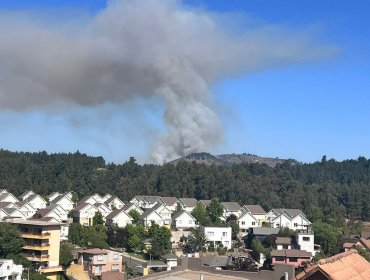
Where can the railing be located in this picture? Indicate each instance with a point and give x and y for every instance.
(51, 268)
(37, 246)
(36, 258)
(35, 235)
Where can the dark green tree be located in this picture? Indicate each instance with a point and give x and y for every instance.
(11, 241)
(65, 255)
(198, 240)
(135, 215)
(98, 218)
(200, 214)
(215, 210)
(161, 241)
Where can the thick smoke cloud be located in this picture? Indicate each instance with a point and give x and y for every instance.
(138, 49)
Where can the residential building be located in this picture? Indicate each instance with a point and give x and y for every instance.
(283, 243)
(96, 261)
(88, 199)
(148, 202)
(170, 202)
(291, 218)
(118, 217)
(132, 206)
(3, 214)
(150, 216)
(8, 197)
(9, 270)
(53, 195)
(293, 257)
(36, 201)
(8, 205)
(187, 204)
(170, 259)
(106, 197)
(217, 236)
(25, 195)
(256, 211)
(164, 212)
(205, 202)
(14, 213)
(64, 200)
(3, 191)
(344, 266)
(53, 211)
(84, 213)
(246, 221)
(260, 233)
(305, 241)
(114, 203)
(183, 220)
(42, 244)
(231, 208)
(103, 209)
(26, 209)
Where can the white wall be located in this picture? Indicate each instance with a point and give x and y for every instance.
(218, 234)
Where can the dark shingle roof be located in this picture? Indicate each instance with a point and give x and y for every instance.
(293, 253)
(205, 202)
(178, 214)
(169, 200)
(255, 209)
(231, 206)
(189, 202)
(283, 240)
(265, 231)
(114, 213)
(290, 212)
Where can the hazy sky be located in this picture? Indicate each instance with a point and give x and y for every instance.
(297, 108)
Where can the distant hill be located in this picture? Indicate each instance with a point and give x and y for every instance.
(229, 159)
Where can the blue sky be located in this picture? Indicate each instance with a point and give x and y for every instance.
(301, 111)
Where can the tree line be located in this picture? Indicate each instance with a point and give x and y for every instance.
(327, 189)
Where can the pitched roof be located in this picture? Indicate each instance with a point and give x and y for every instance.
(231, 206)
(22, 203)
(189, 202)
(5, 195)
(147, 213)
(283, 240)
(9, 211)
(178, 214)
(169, 200)
(5, 204)
(25, 193)
(60, 197)
(33, 196)
(114, 213)
(81, 206)
(255, 209)
(109, 200)
(345, 266)
(85, 198)
(205, 202)
(291, 253)
(43, 212)
(94, 251)
(152, 198)
(128, 206)
(290, 212)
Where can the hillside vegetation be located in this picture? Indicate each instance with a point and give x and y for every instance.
(328, 189)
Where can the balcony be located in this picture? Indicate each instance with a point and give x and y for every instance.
(34, 258)
(32, 235)
(49, 269)
(39, 247)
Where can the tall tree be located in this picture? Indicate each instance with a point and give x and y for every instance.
(215, 210)
(98, 218)
(200, 214)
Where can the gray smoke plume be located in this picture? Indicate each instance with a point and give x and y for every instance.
(139, 48)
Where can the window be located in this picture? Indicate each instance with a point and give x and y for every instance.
(285, 246)
(224, 234)
(99, 268)
(279, 259)
(210, 233)
(295, 225)
(306, 238)
(277, 225)
(115, 256)
(100, 257)
(253, 223)
(226, 243)
(243, 223)
(115, 267)
(293, 259)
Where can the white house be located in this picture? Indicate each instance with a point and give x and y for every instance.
(257, 211)
(84, 213)
(64, 200)
(8, 197)
(218, 235)
(14, 213)
(36, 201)
(3, 191)
(149, 201)
(187, 204)
(283, 243)
(88, 199)
(27, 210)
(25, 195)
(114, 203)
(305, 241)
(103, 209)
(118, 217)
(106, 197)
(3, 214)
(183, 220)
(231, 208)
(164, 212)
(9, 270)
(291, 218)
(132, 206)
(53, 211)
(246, 221)
(97, 197)
(53, 195)
(150, 216)
(8, 205)
(170, 202)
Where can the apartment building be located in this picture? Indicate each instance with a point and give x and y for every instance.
(42, 245)
(96, 261)
(217, 236)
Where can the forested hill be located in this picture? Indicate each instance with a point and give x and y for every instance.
(328, 188)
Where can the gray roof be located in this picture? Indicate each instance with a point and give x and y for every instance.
(231, 206)
(3, 196)
(151, 198)
(127, 206)
(114, 213)
(178, 214)
(169, 256)
(189, 202)
(265, 231)
(109, 200)
(216, 261)
(169, 200)
(9, 211)
(147, 213)
(60, 197)
(255, 209)
(290, 212)
(25, 193)
(5, 204)
(32, 196)
(283, 240)
(294, 253)
(205, 202)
